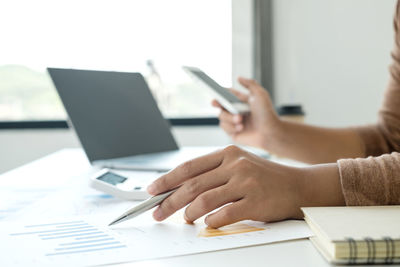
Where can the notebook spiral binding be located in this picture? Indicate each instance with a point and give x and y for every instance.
(352, 250)
(371, 250)
(390, 250)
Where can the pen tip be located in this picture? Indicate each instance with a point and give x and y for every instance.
(120, 219)
(112, 223)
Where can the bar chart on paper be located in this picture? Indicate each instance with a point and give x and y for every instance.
(71, 237)
(83, 241)
(48, 243)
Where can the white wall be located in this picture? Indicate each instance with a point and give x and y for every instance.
(333, 57)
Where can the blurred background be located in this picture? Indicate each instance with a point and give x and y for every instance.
(330, 57)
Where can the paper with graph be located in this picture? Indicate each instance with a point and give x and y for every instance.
(83, 241)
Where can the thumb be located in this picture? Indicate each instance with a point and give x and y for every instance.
(250, 84)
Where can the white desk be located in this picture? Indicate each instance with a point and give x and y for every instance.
(58, 169)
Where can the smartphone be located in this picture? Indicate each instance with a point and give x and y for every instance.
(228, 100)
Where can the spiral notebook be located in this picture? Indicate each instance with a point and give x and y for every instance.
(356, 235)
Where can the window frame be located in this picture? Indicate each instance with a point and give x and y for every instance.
(243, 64)
(63, 124)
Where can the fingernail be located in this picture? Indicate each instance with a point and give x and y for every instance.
(186, 218)
(238, 127)
(151, 189)
(188, 221)
(158, 214)
(206, 219)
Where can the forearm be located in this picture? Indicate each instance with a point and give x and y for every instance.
(313, 144)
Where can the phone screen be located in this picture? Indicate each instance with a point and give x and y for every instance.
(214, 85)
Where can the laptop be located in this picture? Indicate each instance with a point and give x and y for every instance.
(118, 122)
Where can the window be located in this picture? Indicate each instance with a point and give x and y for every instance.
(154, 37)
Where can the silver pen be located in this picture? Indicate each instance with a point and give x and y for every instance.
(143, 207)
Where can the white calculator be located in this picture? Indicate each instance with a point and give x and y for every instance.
(129, 185)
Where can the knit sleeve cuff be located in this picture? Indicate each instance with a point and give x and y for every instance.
(347, 172)
(371, 181)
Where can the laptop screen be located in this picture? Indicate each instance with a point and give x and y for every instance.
(114, 113)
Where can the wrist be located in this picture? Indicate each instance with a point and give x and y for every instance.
(320, 185)
(272, 134)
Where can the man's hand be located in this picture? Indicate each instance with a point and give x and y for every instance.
(259, 126)
(244, 185)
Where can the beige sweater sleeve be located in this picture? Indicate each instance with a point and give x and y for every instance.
(376, 180)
